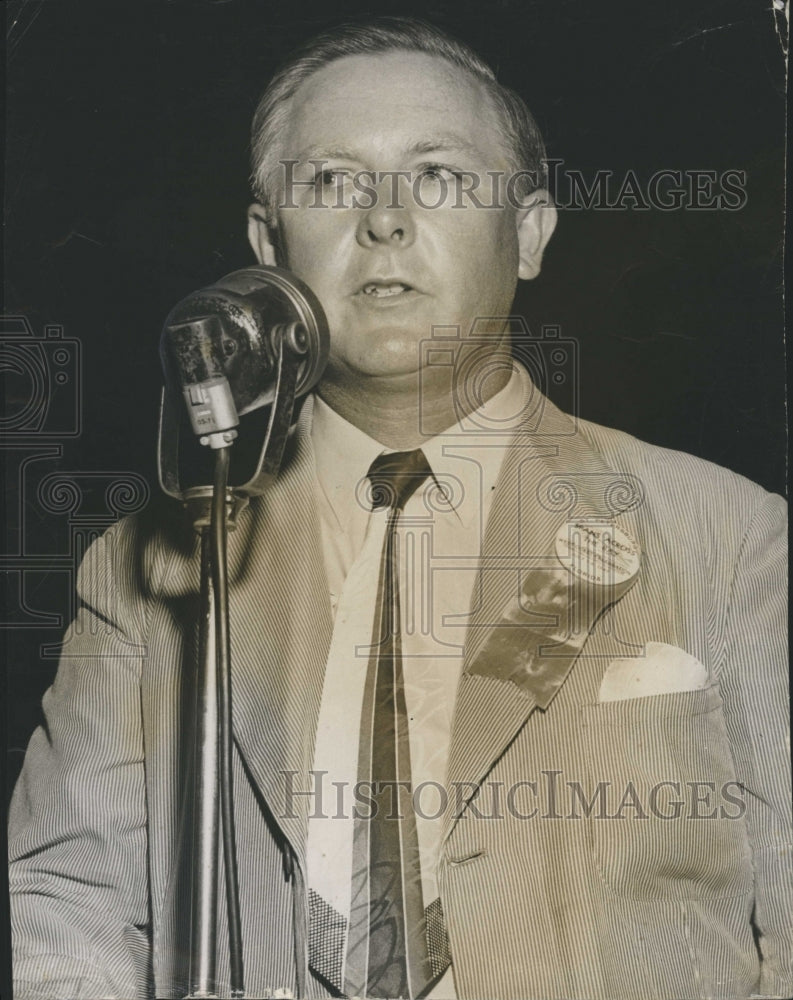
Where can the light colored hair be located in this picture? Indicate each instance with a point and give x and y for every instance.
(523, 142)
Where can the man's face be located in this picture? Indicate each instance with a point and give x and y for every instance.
(384, 274)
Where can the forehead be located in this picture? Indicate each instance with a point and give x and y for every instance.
(386, 103)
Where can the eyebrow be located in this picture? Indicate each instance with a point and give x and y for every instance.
(442, 143)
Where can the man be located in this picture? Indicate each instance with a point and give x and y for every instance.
(564, 749)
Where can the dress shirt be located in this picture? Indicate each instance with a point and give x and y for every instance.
(439, 538)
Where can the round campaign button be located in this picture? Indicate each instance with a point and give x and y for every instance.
(598, 552)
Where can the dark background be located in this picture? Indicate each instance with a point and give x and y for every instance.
(126, 189)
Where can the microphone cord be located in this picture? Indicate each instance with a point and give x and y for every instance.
(219, 533)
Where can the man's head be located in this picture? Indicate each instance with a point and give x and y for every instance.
(375, 127)
(521, 136)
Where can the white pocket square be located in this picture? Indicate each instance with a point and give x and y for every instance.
(664, 669)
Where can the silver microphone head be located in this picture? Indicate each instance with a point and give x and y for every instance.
(255, 340)
(255, 307)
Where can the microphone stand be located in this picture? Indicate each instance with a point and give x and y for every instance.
(206, 777)
(215, 509)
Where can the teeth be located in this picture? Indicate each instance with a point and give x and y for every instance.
(373, 288)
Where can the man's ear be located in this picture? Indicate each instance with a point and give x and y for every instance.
(261, 235)
(536, 223)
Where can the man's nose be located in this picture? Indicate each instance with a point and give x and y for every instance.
(389, 222)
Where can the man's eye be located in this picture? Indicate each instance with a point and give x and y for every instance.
(436, 171)
(331, 178)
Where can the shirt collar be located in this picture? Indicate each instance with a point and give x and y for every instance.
(343, 452)
(469, 454)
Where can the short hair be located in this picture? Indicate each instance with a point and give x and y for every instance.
(523, 141)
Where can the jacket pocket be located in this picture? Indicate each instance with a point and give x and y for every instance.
(664, 811)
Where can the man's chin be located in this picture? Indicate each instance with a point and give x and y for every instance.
(387, 378)
(394, 358)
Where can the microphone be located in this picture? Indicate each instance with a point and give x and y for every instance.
(221, 346)
(257, 337)
(193, 354)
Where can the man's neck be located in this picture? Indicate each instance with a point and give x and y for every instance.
(403, 414)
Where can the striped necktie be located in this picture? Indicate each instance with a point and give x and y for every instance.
(387, 953)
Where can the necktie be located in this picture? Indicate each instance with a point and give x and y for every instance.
(387, 953)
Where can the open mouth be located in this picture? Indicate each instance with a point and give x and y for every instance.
(385, 289)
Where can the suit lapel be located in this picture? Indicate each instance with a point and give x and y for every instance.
(280, 632)
(532, 614)
(281, 622)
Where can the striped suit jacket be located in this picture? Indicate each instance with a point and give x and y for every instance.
(629, 848)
